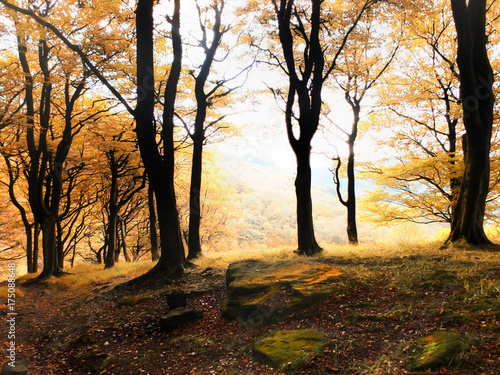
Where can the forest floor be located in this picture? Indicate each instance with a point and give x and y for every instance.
(372, 320)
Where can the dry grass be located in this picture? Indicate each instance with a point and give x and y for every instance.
(83, 275)
(405, 241)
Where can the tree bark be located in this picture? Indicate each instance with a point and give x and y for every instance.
(198, 135)
(160, 170)
(36, 235)
(476, 92)
(155, 255)
(123, 235)
(307, 88)
(305, 229)
(194, 242)
(112, 210)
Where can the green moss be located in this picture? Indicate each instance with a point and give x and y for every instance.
(288, 350)
(439, 350)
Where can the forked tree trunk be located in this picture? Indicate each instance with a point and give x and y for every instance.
(160, 170)
(305, 86)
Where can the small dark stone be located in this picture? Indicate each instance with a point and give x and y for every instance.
(209, 271)
(175, 318)
(176, 299)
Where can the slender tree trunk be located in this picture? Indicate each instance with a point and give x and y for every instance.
(476, 92)
(350, 204)
(110, 257)
(198, 136)
(118, 246)
(352, 230)
(194, 242)
(36, 236)
(112, 242)
(29, 248)
(305, 84)
(155, 255)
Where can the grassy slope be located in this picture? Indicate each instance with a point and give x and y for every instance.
(392, 295)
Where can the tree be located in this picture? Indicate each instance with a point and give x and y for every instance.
(476, 94)
(158, 159)
(53, 93)
(419, 125)
(125, 181)
(209, 94)
(307, 67)
(363, 65)
(160, 169)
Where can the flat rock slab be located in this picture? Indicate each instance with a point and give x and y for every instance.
(260, 293)
(289, 350)
(175, 318)
(441, 349)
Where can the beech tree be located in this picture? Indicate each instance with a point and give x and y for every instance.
(420, 126)
(419, 179)
(478, 100)
(126, 180)
(158, 159)
(205, 123)
(366, 59)
(308, 59)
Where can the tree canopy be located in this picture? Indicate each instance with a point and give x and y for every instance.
(109, 113)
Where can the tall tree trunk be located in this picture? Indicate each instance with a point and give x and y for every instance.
(160, 169)
(198, 136)
(110, 258)
(59, 244)
(305, 84)
(476, 92)
(350, 202)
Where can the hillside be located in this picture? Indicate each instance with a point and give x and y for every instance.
(390, 296)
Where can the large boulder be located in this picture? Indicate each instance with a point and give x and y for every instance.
(261, 292)
(288, 350)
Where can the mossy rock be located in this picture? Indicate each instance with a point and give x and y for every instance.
(261, 292)
(289, 350)
(439, 350)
